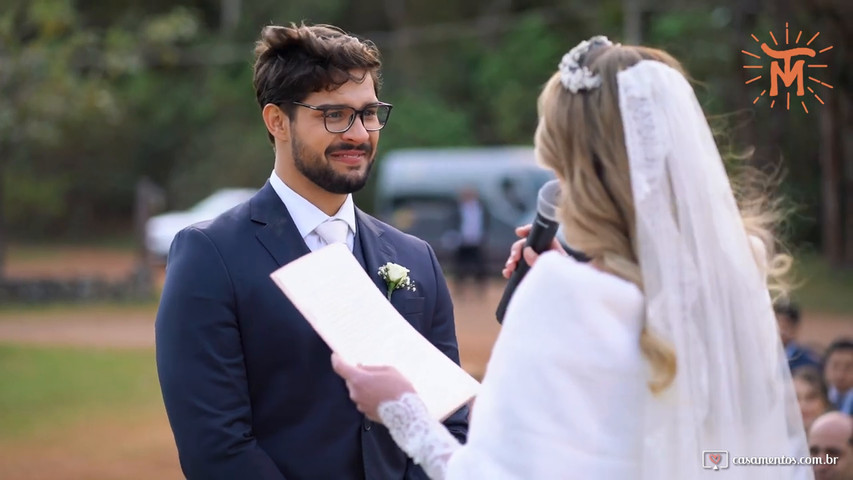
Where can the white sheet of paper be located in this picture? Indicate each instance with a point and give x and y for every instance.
(351, 315)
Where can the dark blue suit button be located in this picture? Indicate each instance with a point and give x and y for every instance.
(367, 425)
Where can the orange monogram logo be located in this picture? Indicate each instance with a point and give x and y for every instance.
(787, 65)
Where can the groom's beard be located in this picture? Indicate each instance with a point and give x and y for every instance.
(319, 170)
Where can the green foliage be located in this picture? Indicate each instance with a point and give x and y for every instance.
(276, 12)
(508, 80)
(95, 95)
(421, 120)
(37, 200)
(44, 388)
(62, 112)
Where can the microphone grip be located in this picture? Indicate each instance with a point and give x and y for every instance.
(539, 239)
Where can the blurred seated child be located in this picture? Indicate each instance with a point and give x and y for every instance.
(811, 394)
(838, 372)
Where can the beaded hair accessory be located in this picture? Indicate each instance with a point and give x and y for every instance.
(573, 76)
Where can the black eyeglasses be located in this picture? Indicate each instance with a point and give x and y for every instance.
(339, 118)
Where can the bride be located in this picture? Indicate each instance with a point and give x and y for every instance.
(659, 359)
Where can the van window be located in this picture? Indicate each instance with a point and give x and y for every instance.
(427, 217)
(418, 190)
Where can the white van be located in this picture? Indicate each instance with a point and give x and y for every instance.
(417, 192)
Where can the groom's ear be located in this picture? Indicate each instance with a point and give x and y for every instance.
(277, 122)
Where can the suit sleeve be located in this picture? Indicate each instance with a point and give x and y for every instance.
(201, 367)
(442, 334)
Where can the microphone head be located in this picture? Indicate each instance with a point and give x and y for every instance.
(549, 195)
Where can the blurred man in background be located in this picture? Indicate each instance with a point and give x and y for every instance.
(838, 371)
(831, 436)
(470, 253)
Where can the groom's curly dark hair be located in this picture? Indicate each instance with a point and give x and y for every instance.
(292, 62)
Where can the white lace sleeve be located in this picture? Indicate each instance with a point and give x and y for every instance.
(422, 437)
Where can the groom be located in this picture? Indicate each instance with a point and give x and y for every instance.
(247, 383)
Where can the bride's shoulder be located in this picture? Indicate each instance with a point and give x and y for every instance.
(563, 273)
(565, 304)
(559, 284)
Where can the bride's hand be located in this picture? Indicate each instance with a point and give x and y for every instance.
(530, 256)
(370, 386)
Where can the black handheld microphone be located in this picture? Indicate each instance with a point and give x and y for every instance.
(543, 231)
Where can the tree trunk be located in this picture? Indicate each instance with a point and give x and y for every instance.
(632, 26)
(489, 20)
(408, 64)
(845, 133)
(745, 14)
(229, 15)
(3, 236)
(831, 178)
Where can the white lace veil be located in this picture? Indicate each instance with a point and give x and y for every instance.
(705, 294)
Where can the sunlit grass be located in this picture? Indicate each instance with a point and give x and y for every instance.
(50, 387)
(822, 288)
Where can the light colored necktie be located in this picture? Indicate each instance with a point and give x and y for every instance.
(333, 230)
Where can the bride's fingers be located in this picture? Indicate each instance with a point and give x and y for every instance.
(375, 368)
(524, 230)
(344, 369)
(515, 252)
(530, 256)
(512, 260)
(507, 271)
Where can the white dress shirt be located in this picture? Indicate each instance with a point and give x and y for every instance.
(471, 228)
(306, 216)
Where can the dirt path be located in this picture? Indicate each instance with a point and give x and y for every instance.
(133, 327)
(69, 262)
(81, 326)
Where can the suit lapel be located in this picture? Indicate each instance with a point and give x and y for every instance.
(377, 251)
(279, 234)
(282, 240)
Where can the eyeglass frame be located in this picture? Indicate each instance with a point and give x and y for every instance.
(358, 113)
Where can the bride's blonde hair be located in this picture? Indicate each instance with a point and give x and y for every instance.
(580, 136)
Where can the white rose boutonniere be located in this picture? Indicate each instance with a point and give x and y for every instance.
(396, 276)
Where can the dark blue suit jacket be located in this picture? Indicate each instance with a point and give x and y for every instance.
(247, 383)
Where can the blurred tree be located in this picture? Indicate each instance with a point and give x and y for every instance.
(507, 78)
(95, 97)
(632, 23)
(230, 16)
(58, 105)
(43, 86)
(834, 19)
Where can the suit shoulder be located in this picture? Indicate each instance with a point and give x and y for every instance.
(395, 235)
(225, 223)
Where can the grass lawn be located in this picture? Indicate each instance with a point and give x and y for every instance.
(821, 288)
(45, 388)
